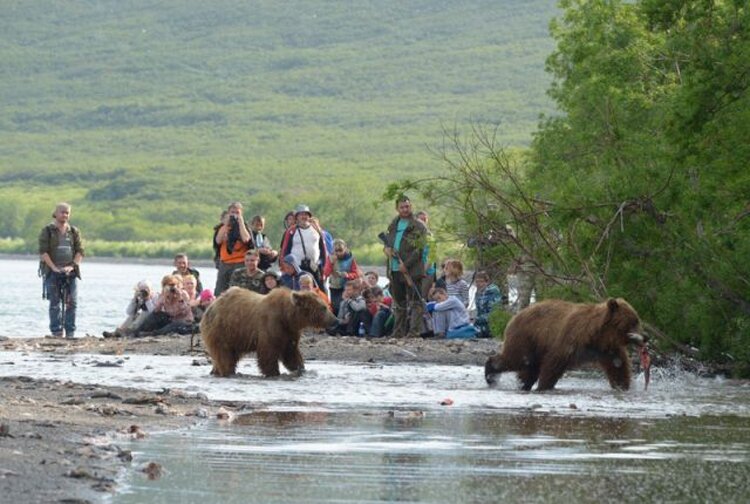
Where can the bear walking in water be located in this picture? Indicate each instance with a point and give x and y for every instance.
(546, 339)
(241, 321)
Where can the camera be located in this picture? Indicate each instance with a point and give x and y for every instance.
(143, 294)
(172, 289)
(306, 265)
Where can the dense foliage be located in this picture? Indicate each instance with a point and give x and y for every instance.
(150, 117)
(640, 188)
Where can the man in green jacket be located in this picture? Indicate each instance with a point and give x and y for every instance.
(61, 252)
(407, 238)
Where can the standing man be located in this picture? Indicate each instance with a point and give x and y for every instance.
(61, 252)
(407, 237)
(234, 240)
(305, 241)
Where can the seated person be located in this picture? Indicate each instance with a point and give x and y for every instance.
(380, 309)
(488, 296)
(140, 305)
(189, 285)
(353, 311)
(250, 277)
(449, 316)
(182, 268)
(290, 272)
(307, 283)
(172, 312)
(205, 298)
(270, 281)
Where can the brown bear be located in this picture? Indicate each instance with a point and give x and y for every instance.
(241, 321)
(545, 339)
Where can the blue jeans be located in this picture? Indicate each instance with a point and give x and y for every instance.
(54, 284)
(465, 331)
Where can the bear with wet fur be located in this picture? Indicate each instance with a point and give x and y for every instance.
(545, 339)
(241, 321)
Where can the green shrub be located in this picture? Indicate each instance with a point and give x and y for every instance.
(499, 318)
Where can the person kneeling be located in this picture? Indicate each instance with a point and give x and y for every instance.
(450, 317)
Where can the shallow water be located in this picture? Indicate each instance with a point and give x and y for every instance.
(371, 433)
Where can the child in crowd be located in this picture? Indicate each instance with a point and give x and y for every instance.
(340, 267)
(488, 296)
(307, 283)
(190, 286)
(455, 285)
(290, 272)
(353, 311)
(205, 298)
(449, 316)
(380, 309)
(270, 281)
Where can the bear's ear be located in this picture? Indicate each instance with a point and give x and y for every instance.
(612, 305)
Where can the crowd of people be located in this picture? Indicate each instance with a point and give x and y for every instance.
(418, 300)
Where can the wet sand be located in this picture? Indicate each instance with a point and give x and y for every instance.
(59, 440)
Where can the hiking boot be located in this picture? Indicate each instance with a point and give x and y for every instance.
(70, 335)
(108, 334)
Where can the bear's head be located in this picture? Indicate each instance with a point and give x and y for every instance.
(311, 310)
(621, 321)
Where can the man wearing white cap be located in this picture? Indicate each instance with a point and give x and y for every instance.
(304, 240)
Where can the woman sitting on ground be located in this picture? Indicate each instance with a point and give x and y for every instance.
(172, 312)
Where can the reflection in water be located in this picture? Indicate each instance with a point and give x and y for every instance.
(448, 456)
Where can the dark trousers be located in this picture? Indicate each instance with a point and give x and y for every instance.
(59, 285)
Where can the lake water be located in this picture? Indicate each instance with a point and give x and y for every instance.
(363, 432)
(103, 294)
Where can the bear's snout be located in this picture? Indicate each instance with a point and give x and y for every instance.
(637, 338)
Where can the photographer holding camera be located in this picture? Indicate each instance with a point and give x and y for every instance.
(234, 240)
(141, 304)
(306, 243)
